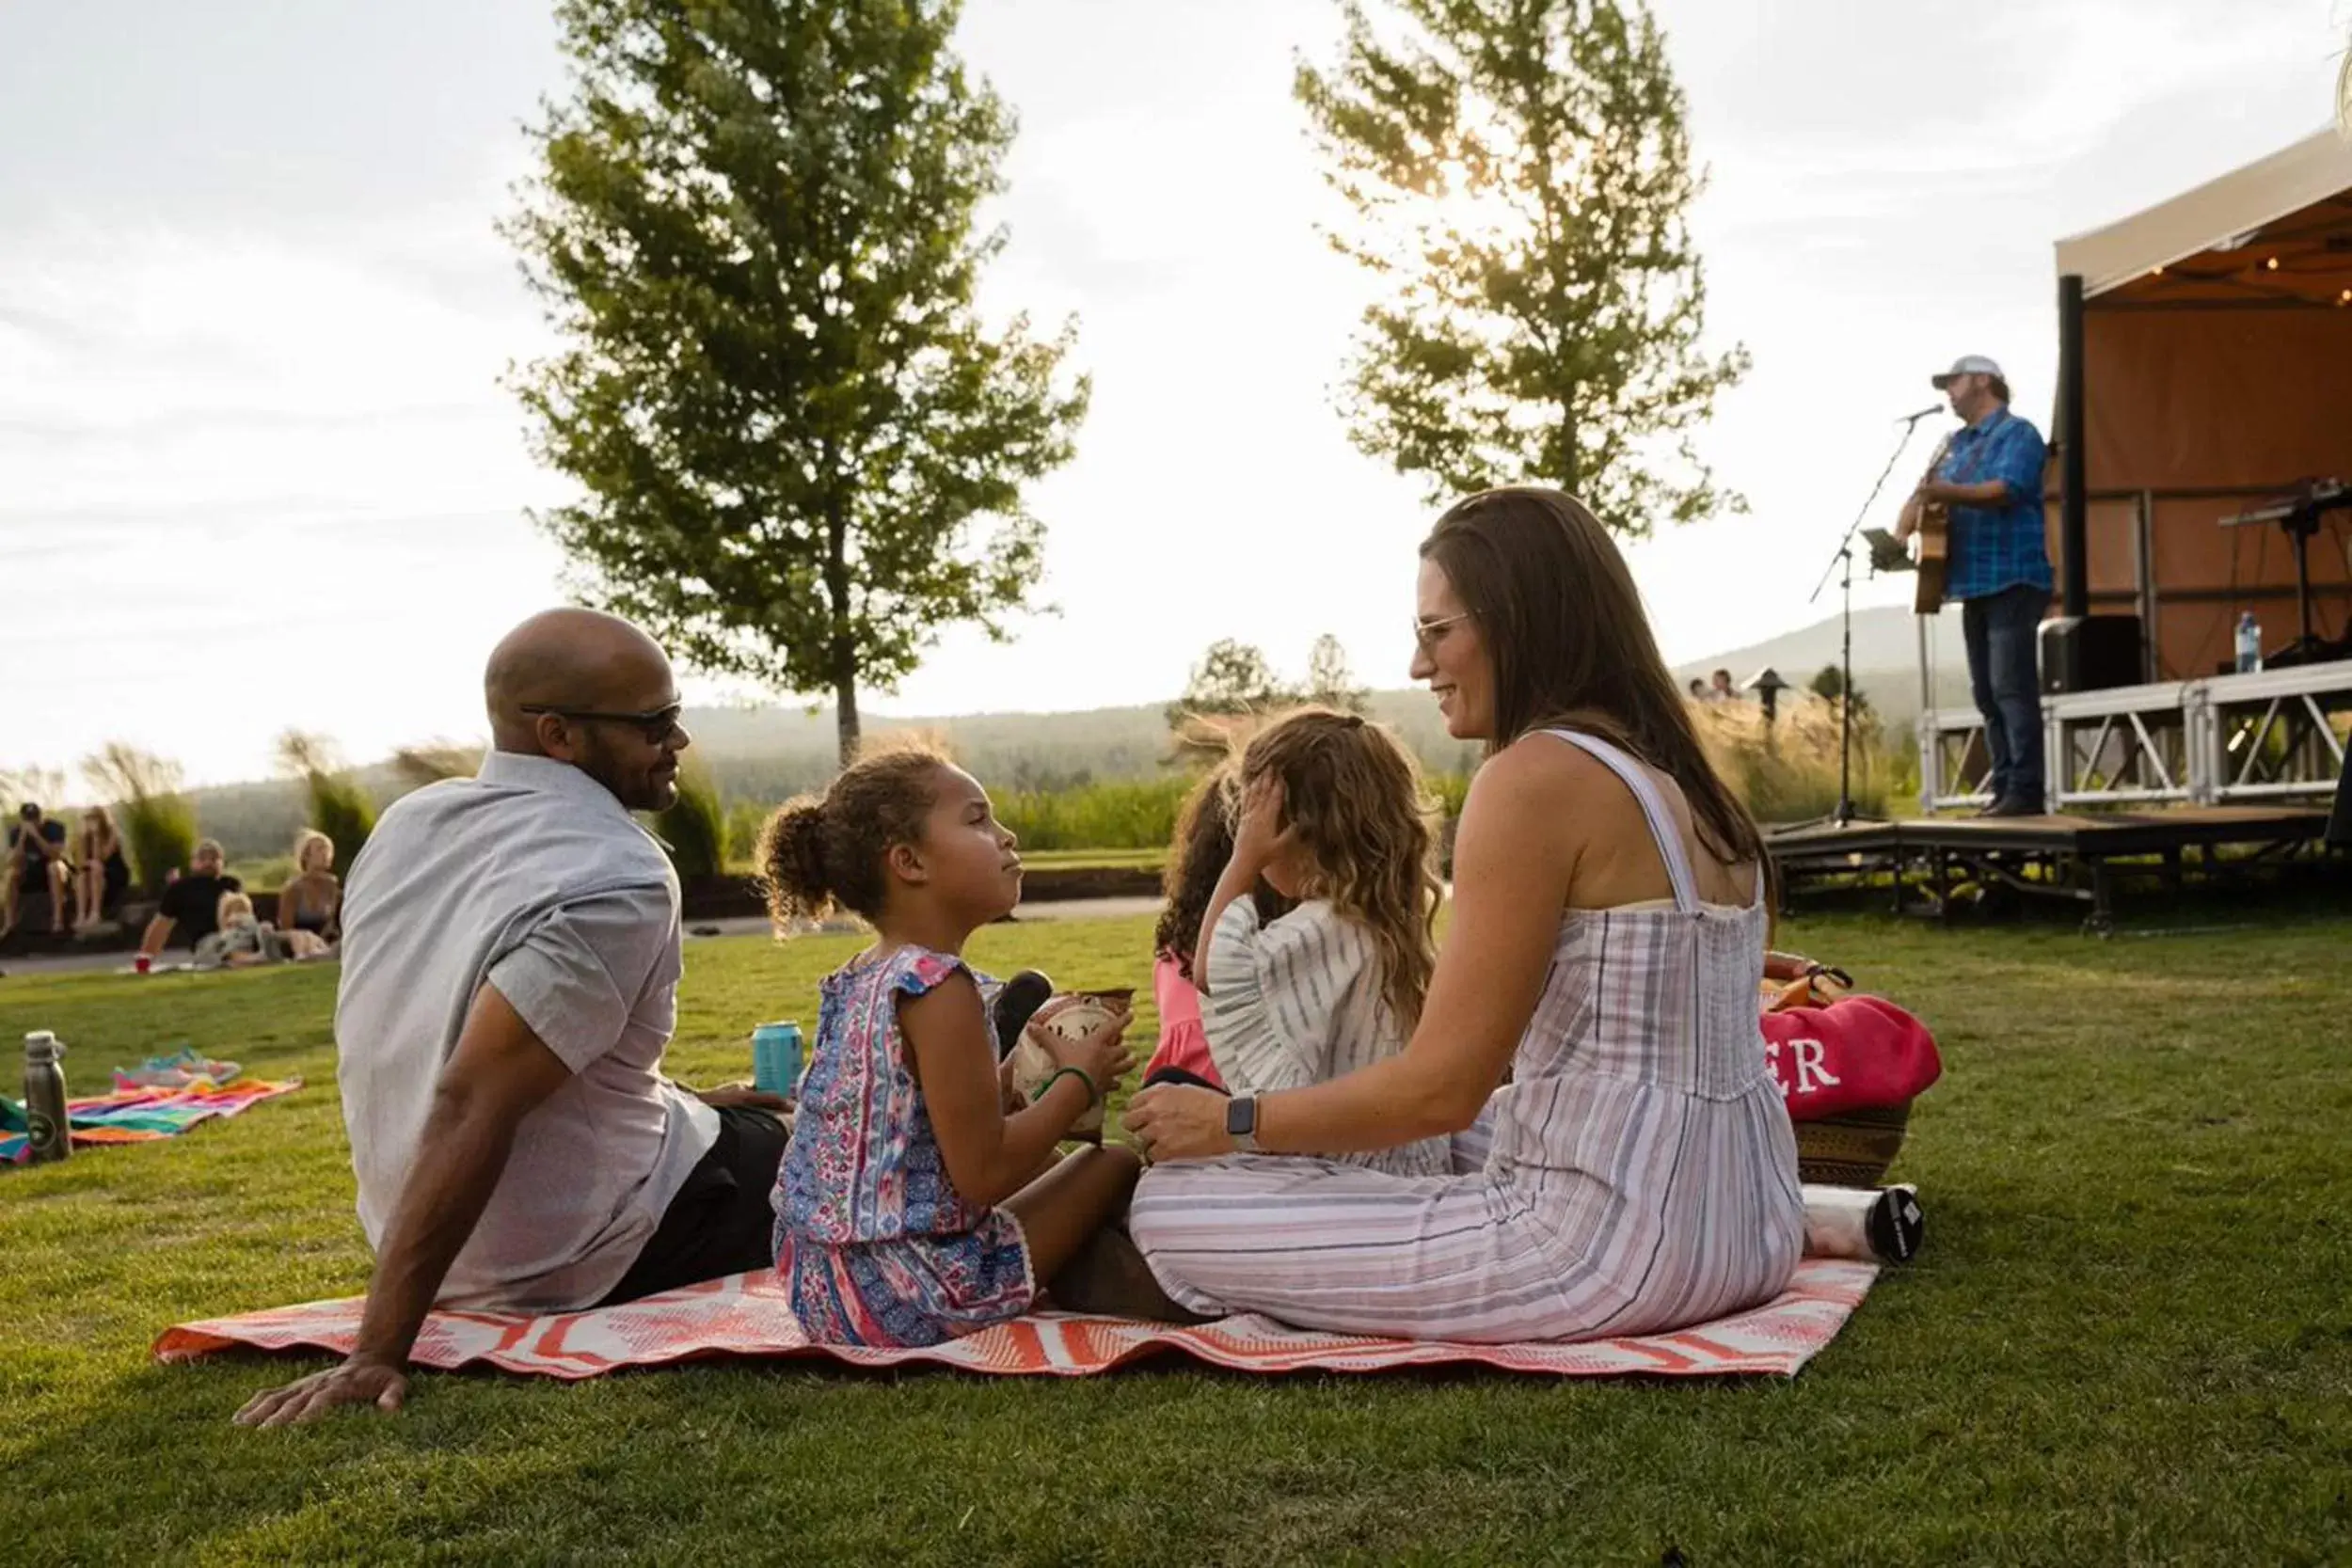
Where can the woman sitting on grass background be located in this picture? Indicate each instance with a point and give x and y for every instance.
(312, 899)
(918, 1201)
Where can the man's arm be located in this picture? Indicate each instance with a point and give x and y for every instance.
(158, 932)
(1983, 492)
(497, 1073)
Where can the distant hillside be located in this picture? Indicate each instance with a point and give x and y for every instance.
(771, 752)
(1885, 660)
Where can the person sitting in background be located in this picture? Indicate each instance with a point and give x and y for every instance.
(190, 908)
(1698, 690)
(242, 939)
(239, 939)
(313, 898)
(102, 873)
(36, 860)
(1721, 689)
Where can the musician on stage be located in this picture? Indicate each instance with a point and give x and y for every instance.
(1999, 569)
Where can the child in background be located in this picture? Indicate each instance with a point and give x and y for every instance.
(1332, 816)
(238, 940)
(1204, 842)
(918, 1201)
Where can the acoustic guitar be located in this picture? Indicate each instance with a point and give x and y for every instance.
(1930, 539)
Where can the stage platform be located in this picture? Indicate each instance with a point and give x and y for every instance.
(2074, 857)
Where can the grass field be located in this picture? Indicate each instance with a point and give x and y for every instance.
(2130, 1339)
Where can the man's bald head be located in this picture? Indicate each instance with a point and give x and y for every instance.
(583, 660)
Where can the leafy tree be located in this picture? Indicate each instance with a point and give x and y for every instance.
(1232, 677)
(1330, 681)
(1519, 170)
(1830, 685)
(801, 451)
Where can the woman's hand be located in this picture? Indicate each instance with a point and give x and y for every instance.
(1178, 1121)
(1100, 1054)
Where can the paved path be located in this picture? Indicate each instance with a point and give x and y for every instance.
(1049, 909)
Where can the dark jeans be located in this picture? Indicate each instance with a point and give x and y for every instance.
(723, 1220)
(2001, 630)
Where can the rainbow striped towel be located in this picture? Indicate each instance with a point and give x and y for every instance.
(141, 1116)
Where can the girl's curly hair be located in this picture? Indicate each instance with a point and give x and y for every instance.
(1353, 795)
(1204, 842)
(819, 851)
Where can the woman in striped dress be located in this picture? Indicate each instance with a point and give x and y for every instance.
(1637, 1173)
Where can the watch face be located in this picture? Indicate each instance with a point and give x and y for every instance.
(1241, 1115)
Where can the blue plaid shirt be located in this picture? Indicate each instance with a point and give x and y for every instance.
(1998, 546)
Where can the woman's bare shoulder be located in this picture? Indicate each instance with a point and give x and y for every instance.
(1542, 772)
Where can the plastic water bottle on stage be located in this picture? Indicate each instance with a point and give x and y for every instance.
(48, 1133)
(2249, 644)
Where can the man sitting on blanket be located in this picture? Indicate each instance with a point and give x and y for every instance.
(509, 984)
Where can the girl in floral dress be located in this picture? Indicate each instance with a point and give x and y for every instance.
(919, 1198)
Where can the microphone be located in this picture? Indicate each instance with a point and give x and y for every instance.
(1913, 419)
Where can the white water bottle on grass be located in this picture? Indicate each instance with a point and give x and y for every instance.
(1881, 1225)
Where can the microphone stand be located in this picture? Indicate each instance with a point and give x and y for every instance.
(1841, 567)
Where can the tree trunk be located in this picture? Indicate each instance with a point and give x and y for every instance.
(844, 646)
(1570, 478)
(845, 717)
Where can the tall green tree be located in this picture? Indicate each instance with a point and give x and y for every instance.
(1520, 171)
(1330, 681)
(803, 451)
(1232, 678)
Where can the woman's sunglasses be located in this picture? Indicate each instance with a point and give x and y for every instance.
(1430, 633)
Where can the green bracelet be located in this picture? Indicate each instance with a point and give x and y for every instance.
(1094, 1096)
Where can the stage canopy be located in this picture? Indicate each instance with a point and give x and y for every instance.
(2213, 343)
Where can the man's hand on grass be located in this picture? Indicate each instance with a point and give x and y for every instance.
(305, 1399)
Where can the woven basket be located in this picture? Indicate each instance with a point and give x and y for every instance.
(1852, 1150)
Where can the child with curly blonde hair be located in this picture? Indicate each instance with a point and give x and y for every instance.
(1332, 814)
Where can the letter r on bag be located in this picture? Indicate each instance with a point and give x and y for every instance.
(1809, 1068)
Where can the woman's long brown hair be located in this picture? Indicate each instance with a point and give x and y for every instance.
(1572, 648)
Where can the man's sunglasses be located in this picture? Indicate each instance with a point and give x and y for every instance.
(656, 726)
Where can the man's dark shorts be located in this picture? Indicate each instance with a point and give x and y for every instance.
(723, 1221)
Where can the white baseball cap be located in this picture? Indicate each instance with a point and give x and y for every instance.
(1967, 364)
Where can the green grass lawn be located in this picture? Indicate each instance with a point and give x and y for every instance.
(1066, 860)
(2130, 1339)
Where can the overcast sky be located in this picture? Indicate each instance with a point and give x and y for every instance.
(256, 469)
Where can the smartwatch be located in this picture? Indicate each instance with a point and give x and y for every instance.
(1241, 1122)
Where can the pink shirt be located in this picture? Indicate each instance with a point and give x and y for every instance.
(1182, 1042)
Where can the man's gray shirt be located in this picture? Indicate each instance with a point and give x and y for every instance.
(533, 879)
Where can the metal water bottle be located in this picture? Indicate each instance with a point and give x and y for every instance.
(49, 1133)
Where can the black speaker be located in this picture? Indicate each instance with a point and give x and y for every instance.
(2090, 653)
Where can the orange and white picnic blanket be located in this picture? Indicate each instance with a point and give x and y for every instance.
(747, 1316)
